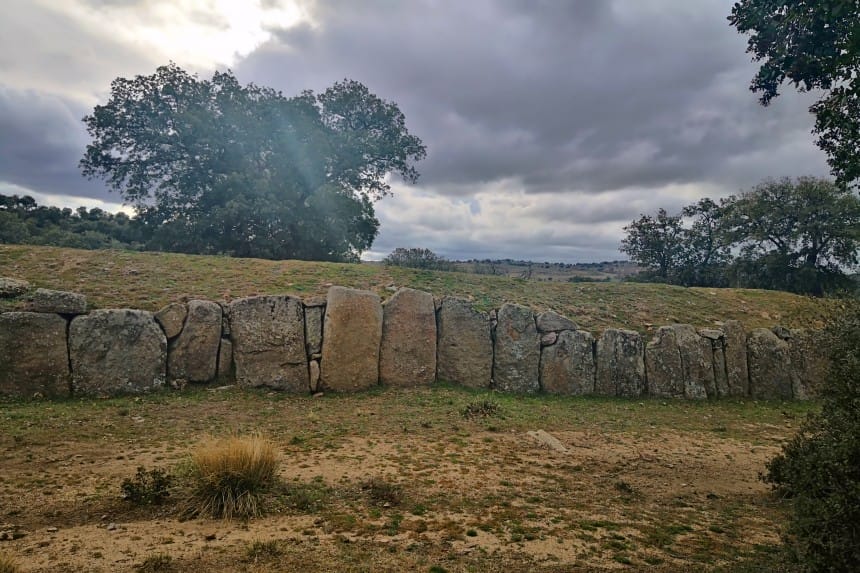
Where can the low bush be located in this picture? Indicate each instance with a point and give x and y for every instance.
(819, 469)
(230, 476)
(158, 563)
(147, 487)
(481, 409)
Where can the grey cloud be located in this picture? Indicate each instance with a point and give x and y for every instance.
(41, 140)
(556, 93)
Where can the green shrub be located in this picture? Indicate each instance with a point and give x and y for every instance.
(147, 487)
(230, 476)
(416, 258)
(819, 469)
(481, 409)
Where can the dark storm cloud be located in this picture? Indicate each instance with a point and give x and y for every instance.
(41, 141)
(589, 95)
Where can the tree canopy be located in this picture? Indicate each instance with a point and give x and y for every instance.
(798, 235)
(815, 45)
(212, 166)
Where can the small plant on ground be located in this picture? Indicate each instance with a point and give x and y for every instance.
(262, 551)
(159, 563)
(8, 564)
(230, 476)
(147, 487)
(819, 469)
(382, 492)
(481, 409)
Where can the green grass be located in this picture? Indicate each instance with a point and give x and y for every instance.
(114, 279)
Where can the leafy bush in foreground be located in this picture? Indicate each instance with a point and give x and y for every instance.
(819, 469)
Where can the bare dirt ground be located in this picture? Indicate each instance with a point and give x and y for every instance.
(400, 480)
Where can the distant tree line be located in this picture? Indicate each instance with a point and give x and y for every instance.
(799, 235)
(418, 258)
(22, 220)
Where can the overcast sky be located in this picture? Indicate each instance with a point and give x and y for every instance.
(549, 124)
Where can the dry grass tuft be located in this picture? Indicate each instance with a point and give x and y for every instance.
(8, 564)
(230, 475)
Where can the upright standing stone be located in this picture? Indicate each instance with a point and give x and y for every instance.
(809, 362)
(735, 350)
(714, 340)
(352, 332)
(664, 365)
(769, 365)
(268, 335)
(465, 344)
(314, 328)
(193, 355)
(567, 366)
(407, 356)
(516, 365)
(620, 364)
(33, 355)
(226, 375)
(551, 321)
(698, 360)
(117, 351)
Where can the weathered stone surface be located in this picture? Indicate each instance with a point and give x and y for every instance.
(735, 351)
(117, 351)
(680, 362)
(172, 318)
(664, 365)
(551, 321)
(769, 365)
(567, 367)
(716, 338)
(314, 328)
(698, 360)
(407, 355)
(352, 332)
(33, 355)
(226, 373)
(782, 332)
(549, 339)
(10, 287)
(620, 364)
(516, 361)
(225, 318)
(809, 362)
(268, 335)
(193, 355)
(465, 345)
(57, 301)
(314, 369)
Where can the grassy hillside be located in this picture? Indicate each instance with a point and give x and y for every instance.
(113, 279)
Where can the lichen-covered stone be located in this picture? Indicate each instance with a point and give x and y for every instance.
(567, 367)
(716, 339)
(551, 321)
(226, 373)
(33, 355)
(268, 335)
(465, 345)
(769, 365)
(516, 365)
(680, 363)
(407, 355)
(10, 287)
(735, 352)
(352, 332)
(57, 301)
(172, 318)
(193, 355)
(810, 362)
(314, 328)
(620, 364)
(117, 351)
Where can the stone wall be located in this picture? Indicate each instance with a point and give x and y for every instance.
(351, 341)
